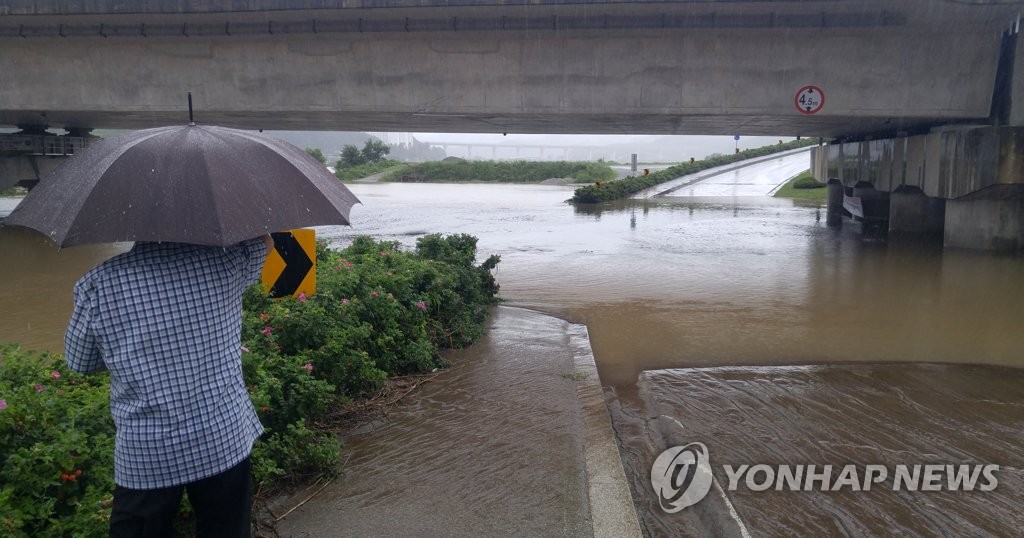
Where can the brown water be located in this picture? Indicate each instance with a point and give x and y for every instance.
(725, 281)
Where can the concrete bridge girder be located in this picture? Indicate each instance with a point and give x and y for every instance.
(965, 182)
(950, 162)
(698, 81)
(26, 170)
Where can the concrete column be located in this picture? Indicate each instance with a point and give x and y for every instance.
(985, 224)
(911, 211)
(834, 209)
(26, 168)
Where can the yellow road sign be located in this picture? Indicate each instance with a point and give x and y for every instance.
(290, 268)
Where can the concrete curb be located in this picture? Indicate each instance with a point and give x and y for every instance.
(611, 506)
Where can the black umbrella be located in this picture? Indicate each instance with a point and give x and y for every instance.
(195, 184)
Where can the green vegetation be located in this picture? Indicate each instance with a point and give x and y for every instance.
(56, 446)
(356, 164)
(613, 190)
(352, 173)
(459, 170)
(378, 312)
(317, 154)
(803, 186)
(373, 151)
(14, 191)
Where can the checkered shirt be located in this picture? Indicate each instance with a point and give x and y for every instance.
(165, 319)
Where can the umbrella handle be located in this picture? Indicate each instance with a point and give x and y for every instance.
(190, 120)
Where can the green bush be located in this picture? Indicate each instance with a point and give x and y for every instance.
(459, 170)
(56, 448)
(378, 312)
(598, 171)
(613, 190)
(807, 182)
(803, 187)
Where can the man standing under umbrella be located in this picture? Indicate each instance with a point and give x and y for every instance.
(165, 320)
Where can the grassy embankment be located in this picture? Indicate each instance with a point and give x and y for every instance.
(613, 190)
(359, 171)
(462, 171)
(803, 186)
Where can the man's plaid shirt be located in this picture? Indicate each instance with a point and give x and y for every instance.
(165, 319)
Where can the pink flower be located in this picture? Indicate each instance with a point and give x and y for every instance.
(55, 374)
(245, 349)
(301, 297)
(383, 253)
(348, 264)
(344, 301)
(309, 367)
(421, 305)
(391, 296)
(374, 294)
(39, 388)
(267, 330)
(3, 405)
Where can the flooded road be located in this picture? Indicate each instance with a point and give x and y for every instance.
(886, 415)
(671, 284)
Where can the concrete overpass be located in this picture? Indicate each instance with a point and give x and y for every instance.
(924, 97)
(557, 66)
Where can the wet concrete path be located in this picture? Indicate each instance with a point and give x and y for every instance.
(514, 441)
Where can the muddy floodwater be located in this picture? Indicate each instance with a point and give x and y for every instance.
(722, 316)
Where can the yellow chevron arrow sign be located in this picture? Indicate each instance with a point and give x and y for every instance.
(290, 268)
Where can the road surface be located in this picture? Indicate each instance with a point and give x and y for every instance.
(756, 179)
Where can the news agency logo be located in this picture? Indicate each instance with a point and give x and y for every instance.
(682, 477)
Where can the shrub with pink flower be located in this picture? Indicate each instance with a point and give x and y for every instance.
(55, 374)
(421, 305)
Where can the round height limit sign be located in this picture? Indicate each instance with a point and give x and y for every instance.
(809, 99)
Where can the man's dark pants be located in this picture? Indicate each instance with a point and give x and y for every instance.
(222, 505)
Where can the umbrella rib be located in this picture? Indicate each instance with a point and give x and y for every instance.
(75, 209)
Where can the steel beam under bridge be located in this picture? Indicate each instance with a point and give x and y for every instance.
(679, 67)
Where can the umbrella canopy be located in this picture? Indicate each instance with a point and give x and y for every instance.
(203, 185)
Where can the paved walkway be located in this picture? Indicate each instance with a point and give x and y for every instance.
(514, 440)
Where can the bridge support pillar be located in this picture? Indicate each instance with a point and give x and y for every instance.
(986, 223)
(912, 212)
(25, 170)
(834, 208)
